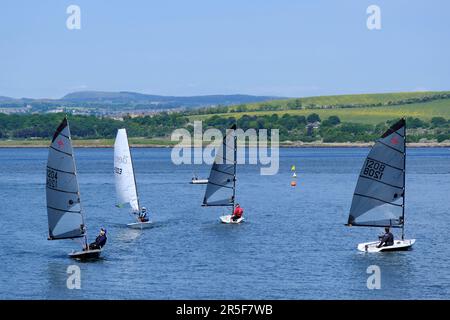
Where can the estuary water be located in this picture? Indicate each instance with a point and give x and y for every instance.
(294, 244)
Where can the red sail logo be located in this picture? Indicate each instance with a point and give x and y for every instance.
(394, 140)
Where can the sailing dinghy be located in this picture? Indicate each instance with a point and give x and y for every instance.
(197, 180)
(221, 188)
(64, 211)
(126, 188)
(379, 197)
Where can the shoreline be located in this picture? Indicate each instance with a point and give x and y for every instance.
(282, 145)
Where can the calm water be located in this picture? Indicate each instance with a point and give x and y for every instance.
(293, 246)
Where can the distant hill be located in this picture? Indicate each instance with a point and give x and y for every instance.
(2, 98)
(133, 97)
(116, 101)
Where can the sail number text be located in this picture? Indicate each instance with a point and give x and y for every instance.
(374, 169)
(118, 170)
(52, 178)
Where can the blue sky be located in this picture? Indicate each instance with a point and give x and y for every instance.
(284, 48)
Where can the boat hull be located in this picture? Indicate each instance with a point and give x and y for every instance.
(227, 219)
(139, 225)
(200, 181)
(399, 245)
(86, 255)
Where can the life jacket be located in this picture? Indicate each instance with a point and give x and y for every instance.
(238, 212)
(101, 240)
(389, 239)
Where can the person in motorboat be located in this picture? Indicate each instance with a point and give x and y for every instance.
(100, 241)
(237, 213)
(143, 215)
(387, 239)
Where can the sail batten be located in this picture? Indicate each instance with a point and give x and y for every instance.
(59, 170)
(69, 211)
(385, 183)
(64, 191)
(378, 199)
(65, 217)
(224, 172)
(222, 185)
(124, 174)
(69, 154)
(388, 146)
(381, 200)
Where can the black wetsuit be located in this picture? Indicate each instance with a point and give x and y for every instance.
(386, 240)
(100, 241)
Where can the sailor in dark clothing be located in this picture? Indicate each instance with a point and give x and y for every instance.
(100, 241)
(386, 239)
(143, 215)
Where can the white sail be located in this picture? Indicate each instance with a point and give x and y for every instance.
(123, 172)
(65, 217)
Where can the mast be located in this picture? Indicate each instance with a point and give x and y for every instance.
(234, 176)
(404, 185)
(134, 178)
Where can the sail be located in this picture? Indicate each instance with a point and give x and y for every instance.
(65, 218)
(379, 195)
(221, 181)
(123, 172)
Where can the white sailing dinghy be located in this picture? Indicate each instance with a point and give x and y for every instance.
(221, 188)
(65, 214)
(126, 188)
(379, 197)
(197, 180)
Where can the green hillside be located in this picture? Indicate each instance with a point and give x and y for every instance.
(338, 119)
(355, 100)
(366, 108)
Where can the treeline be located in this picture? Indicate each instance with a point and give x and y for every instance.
(89, 127)
(312, 128)
(438, 129)
(291, 127)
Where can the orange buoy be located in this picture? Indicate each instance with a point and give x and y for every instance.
(293, 183)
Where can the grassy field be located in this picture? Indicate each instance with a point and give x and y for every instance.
(350, 99)
(369, 115)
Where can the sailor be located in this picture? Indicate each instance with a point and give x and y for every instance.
(143, 215)
(237, 213)
(100, 241)
(387, 239)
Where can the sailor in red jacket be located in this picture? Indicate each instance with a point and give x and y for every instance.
(238, 212)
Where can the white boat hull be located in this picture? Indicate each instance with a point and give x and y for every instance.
(86, 255)
(140, 225)
(227, 219)
(399, 245)
(199, 181)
